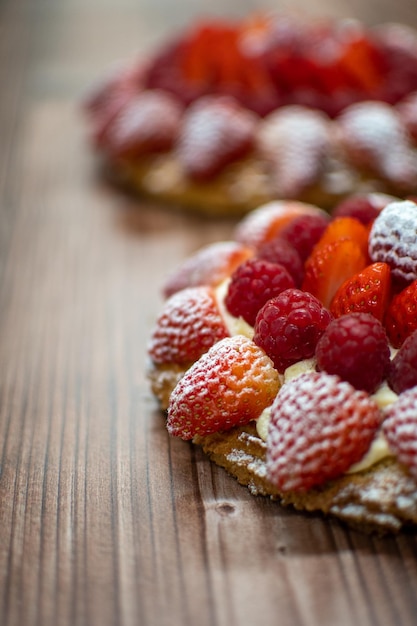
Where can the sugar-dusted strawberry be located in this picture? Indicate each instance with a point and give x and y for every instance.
(149, 122)
(400, 429)
(289, 326)
(368, 291)
(215, 131)
(319, 427)
(294, 140)
(345, 228)
(266, 222)
(328, 266)
(364, 207)
(252, 284)
(374, 136)
(393, 239)
(188, 325)
(355, 347)
(230, 385)
(208, 266)
(401, 317)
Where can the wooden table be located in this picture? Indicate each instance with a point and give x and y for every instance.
(104, 519)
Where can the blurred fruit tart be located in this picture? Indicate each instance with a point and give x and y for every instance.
(229, 115)
(289, 353)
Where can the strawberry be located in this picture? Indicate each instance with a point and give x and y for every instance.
(393, 239)
(149, 122)
(208, 266)
(367, 291)
(319, 427)
(400, 429)
(267, 221)
(401, 317)
(215, 131)
(228, 386)
(188, 325)
(328, 266)
(366, 129)
(294, 141)
(345, 228)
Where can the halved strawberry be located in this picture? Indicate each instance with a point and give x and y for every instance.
(366, 292)
(328, 266)
(401, 317)
(345, 228)
(228, 386)
(266, 222)
(215, 131)
(188, 325)
(208, 266)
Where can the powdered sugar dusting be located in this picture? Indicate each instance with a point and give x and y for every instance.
(294, 140)
(393, 239)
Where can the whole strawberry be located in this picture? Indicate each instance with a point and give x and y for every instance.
(319, 427)
(188, 325)
(393, 240)
(215, 132)
(228, 386)
(400, 429)
(355, 347)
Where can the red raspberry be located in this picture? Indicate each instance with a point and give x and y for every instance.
(188, 325)
(229, 385)
(319, 427)
(392, 239)
(252, 284)
(403, 369)
(278, 250)
(400, 429)
(303, 232)
(355, 347)
(364, 207)
(289, 326)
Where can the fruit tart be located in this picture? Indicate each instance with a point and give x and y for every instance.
(228, 115)
(289, 354)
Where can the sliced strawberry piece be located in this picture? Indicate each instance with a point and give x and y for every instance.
(208, 266)
(149, 122)
(265, 223)
(329, 266)
(345, 228)
(216, 131)
(401, 318)
(345, 421)
(188, 325)
(366, 292)
(228, 386)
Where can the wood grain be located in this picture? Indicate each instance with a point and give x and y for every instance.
(105, 520)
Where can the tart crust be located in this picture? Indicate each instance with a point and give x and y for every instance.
(381, 499)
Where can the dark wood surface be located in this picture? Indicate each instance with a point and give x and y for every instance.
(105, 520)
